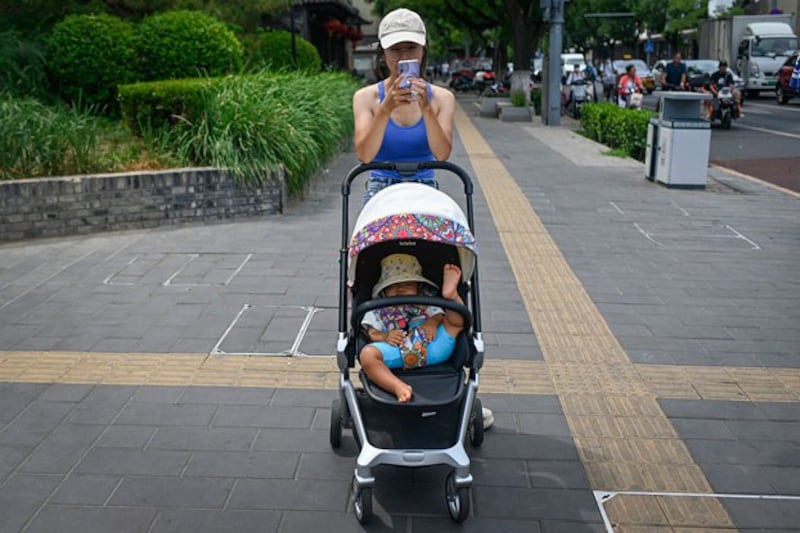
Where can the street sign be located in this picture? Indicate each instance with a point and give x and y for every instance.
(649, 47)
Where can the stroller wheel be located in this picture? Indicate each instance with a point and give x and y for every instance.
(458, 500)
(362, 503)
(476, 428)
(336, 424)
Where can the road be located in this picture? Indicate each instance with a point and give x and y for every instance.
(763, 143)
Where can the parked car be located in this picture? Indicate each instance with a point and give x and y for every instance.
(707, 67)
(783, 92)
(642, 70)
(568, 62)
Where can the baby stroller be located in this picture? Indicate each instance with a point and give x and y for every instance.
(432, 428)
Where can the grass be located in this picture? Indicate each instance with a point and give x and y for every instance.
(617, 152)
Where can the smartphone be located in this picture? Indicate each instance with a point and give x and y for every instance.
(408, 68)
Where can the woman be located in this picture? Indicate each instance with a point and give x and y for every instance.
(397, 124)
(630, 85)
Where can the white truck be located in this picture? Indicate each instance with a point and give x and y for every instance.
(754, 45)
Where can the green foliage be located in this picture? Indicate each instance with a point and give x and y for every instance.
(155, 104)
(22, 63)
(88, 56)
(518, 99)
(265, 120)
(273, 50)
(184, 44)
(536, 99)
(37, 140)
(617, 127)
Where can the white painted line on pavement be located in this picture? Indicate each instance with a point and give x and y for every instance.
(107, 281)
(310, 312)
(740, 236)
(615, 206)
(773, 132)
(192, 257)
(603, 496)
(679, 208)
(647, 235)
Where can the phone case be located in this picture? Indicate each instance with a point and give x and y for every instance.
(408, 68)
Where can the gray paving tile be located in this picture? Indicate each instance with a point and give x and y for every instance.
(21, 496)
(750, 452)
(303, 398)
(297, 495)
(227, 395)
(132, 461)
(543, 424)
(557, 474)
(764, 515)
(14, 397)
(698, 428)
(765, 430)
(202, 438)
(499, 472)
(85, 489)
(738, 479)
(528, 447)
(712, 410)
(300, 440)
(271, 417)
(153, 491)
(61, 392)
(63, 448)
(35, 423)
(325, 466)
(214, 521)
(539, 504)
(305, 521)
(263, 465)
(80, 519)
(121, 436)
(166, 414)
(157, 394)
(784, 479)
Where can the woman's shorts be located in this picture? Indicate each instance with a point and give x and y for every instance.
(439, 350)
(375, 184)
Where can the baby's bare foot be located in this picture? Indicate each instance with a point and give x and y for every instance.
(403, 392)
(450, 279)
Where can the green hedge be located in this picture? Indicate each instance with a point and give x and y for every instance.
(148, 105)
(248, 123)
(185, 44)
(89, 55)
(273, 50)
(616, 127)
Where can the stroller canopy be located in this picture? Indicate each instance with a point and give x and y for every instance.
(408, 211)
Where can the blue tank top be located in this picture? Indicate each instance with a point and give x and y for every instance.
(403, 144)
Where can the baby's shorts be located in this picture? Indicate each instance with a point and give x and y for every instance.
(439, 350)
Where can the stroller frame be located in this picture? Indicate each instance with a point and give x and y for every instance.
(346, 412)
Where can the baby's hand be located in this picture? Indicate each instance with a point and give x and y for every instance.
(429, 327)
(395, 337)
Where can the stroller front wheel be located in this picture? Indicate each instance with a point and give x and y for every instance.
(336, 424)
(362, 503)
(458, 499)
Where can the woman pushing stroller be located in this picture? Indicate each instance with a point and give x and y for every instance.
(408, 336)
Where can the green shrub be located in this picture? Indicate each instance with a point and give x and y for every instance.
(185, 44)
(37, 140)
(617, 127)
(265, 120)
(148, 105)
(518, 98)
(273, 50)
(536, 99)
(22, 63)
(89, 55)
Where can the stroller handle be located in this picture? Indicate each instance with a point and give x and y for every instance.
(408, 169)
(377, 303)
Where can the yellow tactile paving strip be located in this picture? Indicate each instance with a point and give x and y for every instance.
(620, 450)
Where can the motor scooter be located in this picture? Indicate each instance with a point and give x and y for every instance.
(724, 108)
(577, 98)
(631, 99)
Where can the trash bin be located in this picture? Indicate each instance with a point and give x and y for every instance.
(679, 141)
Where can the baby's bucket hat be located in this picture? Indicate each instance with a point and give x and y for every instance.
(397, 268)
(399, 26)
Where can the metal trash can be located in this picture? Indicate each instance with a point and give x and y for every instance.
(679, 141)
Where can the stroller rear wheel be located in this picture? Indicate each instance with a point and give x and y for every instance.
(336, 424)
(362, 503)
(458, 499)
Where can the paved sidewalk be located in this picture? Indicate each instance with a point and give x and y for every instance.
(642, 361)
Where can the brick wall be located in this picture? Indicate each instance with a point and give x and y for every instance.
(74, 205)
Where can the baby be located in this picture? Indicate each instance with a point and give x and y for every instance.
(408, 336)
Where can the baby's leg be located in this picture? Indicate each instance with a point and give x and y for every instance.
(372, 363)
(453, 322)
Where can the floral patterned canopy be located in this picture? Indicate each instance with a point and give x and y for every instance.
(413, 211)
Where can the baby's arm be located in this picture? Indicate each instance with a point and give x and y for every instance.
(394, 337)
(431, 325)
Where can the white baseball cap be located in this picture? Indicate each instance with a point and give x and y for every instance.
(399, 26)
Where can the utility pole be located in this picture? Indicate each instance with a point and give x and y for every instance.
(554, 11)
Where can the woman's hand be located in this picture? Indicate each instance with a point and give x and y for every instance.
(397, 96)
(419, 90)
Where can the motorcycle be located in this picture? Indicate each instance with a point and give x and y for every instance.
(630, 99)
(577, 98)
(724, 108)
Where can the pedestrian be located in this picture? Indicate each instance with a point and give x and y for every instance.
(794, 81)
(609, 80)
(394, 123)
(674, 75)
